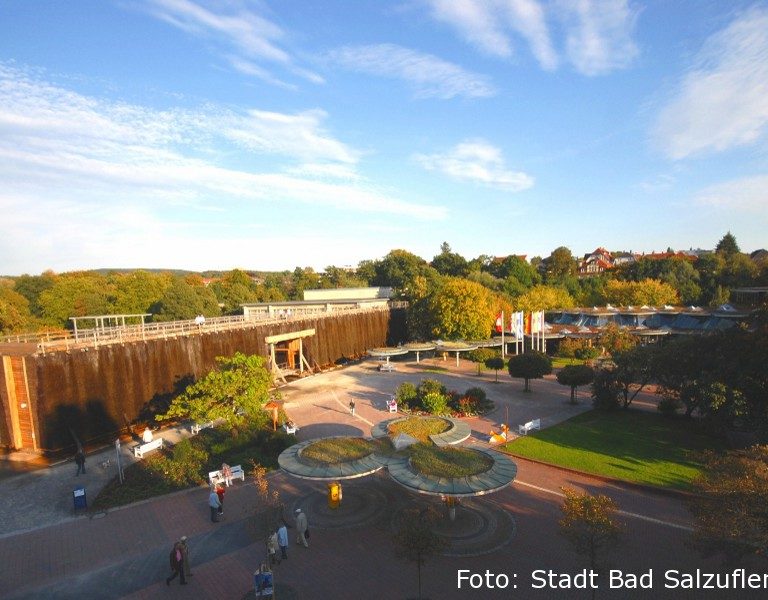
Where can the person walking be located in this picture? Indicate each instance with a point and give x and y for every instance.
(177, 565)
(282, 540)
(301, 528)
(272, 545)
(352, 407)
(185, 555)
(220, 491)
(80, 461)
(213, 502)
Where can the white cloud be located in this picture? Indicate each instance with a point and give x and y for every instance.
(242, 35)
(749, 194)
(598, 33)
(721, 102)
(429, 75)
(125, 174)
(476, 161)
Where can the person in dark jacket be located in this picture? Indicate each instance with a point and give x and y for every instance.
(176, 559)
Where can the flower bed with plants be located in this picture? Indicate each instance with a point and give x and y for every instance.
(448, 462)
(337, 450)
(432, 397)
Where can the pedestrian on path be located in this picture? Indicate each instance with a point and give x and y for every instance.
(352, 407)
(213, 502)
(301, 528)
(177, 565)
(220, 491)
(185, 555)
(80, 461)
(282, 540)
(272, 545)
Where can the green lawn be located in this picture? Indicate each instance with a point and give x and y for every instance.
(332, 451)
(559, 362)
(420, 427)
(448, 462)
(631, 445)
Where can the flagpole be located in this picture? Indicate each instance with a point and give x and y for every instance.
(503, 347)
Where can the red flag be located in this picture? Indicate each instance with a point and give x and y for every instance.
(499, 323)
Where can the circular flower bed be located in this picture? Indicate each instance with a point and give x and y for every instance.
(448, 462)
(420, 427)
(336, 450)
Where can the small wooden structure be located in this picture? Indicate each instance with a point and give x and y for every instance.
(292, 352)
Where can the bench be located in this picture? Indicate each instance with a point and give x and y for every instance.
(216, 477)
(197, 427)
(386, 367)
(529, 426)
(392, 405)
(138, 451)
(290, 427)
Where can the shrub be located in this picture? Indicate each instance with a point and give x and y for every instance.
(428, 386)
(481, 355)
(605, 390)
(407, 395)
(184, 466)
(669, 406)
(586, 353)
(435, 403)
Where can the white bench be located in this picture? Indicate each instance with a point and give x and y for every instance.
(197, 427)
(392, 405)
(141, 449)
(216, 477)
(290, 428)
(386, 367)
(529, 426)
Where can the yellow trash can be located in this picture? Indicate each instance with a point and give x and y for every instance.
(334, 494)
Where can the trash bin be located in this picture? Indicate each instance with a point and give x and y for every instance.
(79, 498)
(334, 494)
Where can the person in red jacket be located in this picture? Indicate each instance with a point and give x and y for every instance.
(220, 491)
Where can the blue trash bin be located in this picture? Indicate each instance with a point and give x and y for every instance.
(79, 498)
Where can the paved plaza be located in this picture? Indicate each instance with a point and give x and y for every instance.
(50, 553)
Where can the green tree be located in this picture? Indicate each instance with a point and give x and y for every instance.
(650, 292)
(236, 391)
(15, 316)
(75, 294)
(729, 503)
(415, 540)
(338, 277)
(615, 339)
(634, 370)
(462, 309)
(589, 524)
(574, 376)
(496, 363)
(303, 279)
(183, 301)
(399, 269)
(450, 263)
(136, 292)
(235, 288)
(559, 265)
(529, 365)
(31, 286)
(727, 245)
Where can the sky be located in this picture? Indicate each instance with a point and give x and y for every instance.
(271, 134)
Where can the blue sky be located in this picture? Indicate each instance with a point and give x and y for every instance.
(273, 134)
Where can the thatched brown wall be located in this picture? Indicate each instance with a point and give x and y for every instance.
(96, 392)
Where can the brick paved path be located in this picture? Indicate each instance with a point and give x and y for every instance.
(124, 554)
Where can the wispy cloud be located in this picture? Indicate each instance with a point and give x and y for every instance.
(598, 33)
(242, 37)
(476, 161)
(429, 75)
(65, 157)
(721, 102)
(749, 194)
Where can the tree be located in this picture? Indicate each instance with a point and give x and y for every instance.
(182, 301)
(14, 310)
(399, 269)
(136, 292)
(450, 263)
(634, 370)
(31, 286)
(462, 309)
(615, 339)
(574, 376)
(75, 294)
(530, 365)
(559, 265)
(727, 245)
(235, 288)
(303, 279)
(729, 503)
(414, 539)
(496, 363)
(589, 524)
(651, 292)
(544, 297)
(235, 391)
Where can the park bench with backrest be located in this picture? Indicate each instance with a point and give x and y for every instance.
(197, 427)
(141, 449)
(216, 477)
(389, 367)
(529, 426)
(290, 427)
